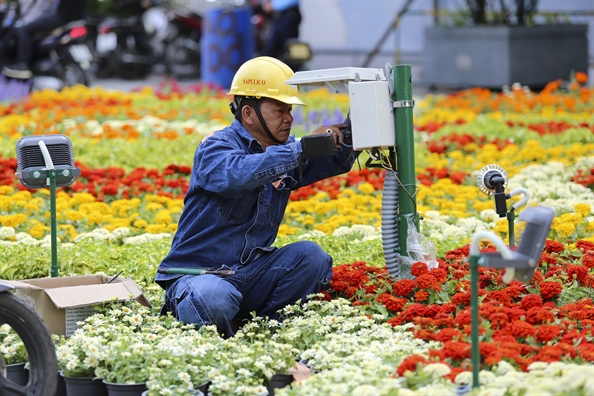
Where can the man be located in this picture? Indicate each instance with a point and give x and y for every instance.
(286, 19)
(241, 181)
(55, 13)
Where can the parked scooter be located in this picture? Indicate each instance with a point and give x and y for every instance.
(60, 57)
(182, 55)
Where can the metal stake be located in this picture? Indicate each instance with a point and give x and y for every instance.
(405, 151)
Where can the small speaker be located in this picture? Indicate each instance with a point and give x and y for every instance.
(31, 160)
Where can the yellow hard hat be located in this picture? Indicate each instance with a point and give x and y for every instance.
(264, 77)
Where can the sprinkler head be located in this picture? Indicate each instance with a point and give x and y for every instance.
(491, 178)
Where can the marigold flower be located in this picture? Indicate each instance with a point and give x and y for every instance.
(581, 77)
(410, 363)
(550, 289)
(521, 329)
(419, 268)
(530, 301)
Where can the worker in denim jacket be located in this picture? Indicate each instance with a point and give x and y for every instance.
(241, 181)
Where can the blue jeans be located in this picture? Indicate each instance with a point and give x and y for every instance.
(265, 285)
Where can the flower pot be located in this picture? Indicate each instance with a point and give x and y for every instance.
(61, 389)
(194, 392)
(87, 386)
(17, 374)
(114, 389)
(279, 381)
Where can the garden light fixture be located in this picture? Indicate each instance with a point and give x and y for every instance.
(519, 264)
(47, 161)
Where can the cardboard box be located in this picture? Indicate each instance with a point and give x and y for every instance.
(63, 301)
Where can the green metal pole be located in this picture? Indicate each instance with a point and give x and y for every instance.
(405, 151)
(474, 337)
(54, 227)
(510, 224)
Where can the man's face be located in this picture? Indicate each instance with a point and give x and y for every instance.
(278, 118)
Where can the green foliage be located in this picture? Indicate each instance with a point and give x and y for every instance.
(20, 261)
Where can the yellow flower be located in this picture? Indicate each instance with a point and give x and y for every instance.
(163, 217)
(172, 227)
(140, 223)
(366, 188)
(285, 230)
(154, 206)
(13, 220)
(582, 209)
(564, 229)
(80, 198)
(74, 215)
(38, 230)
(5, 190)
(155, 228)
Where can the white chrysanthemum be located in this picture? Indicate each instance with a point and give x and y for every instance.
(121, 232)
(437, 370)
(6, 232)
(366, 390)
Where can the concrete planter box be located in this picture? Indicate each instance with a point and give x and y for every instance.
(493, 56)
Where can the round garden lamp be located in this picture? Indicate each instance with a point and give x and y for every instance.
(520, 264)
(47, 161)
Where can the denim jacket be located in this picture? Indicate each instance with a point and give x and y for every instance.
(237, 198)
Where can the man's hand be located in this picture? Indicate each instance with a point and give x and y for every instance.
(334, 129)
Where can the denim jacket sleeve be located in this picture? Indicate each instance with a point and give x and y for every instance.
(225, 165)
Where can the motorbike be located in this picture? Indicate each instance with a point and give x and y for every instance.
(182, 55)
(131, 47)
(29, 326)
(60, 57)
(123, 49)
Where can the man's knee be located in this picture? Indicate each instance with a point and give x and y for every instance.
(208, 304)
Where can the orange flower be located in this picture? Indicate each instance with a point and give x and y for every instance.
(581, 77)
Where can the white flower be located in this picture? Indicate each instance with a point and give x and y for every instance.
(437, 370)
(6, 232)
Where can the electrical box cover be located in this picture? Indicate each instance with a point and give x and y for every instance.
(372, 119)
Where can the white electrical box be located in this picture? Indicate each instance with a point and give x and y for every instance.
(372, 119)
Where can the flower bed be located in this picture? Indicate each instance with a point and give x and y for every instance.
(369, 334)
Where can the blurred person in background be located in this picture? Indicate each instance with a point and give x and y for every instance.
(286, 18)
(40, 16)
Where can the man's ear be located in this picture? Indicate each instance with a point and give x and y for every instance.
(247, 114)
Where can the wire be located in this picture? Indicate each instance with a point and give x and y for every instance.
(387, 166)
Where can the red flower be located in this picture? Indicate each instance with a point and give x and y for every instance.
(410, 364)
(419, 269)
(531, 300)
(456, 350)
(538, 315)
(498, 320)
(404, 287)
(588, 260)
(426, 281)
(421, 295)
(585, 246)
(546, 333)
(553, 246)
(550, 289)
(521, 329)
(578, 272)
(390, 302)
(414, 310)
(448, 335)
